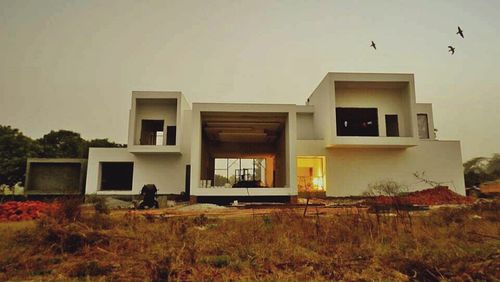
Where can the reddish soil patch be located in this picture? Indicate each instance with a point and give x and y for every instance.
(439, 195)
(17, 211)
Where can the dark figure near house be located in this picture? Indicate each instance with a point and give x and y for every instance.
(148, 194)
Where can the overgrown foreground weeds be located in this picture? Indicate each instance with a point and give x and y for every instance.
(459, 244)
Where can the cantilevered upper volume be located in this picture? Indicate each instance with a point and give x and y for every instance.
(155, 123)
(366, 110)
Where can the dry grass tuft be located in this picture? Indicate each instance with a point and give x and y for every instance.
(459, 244)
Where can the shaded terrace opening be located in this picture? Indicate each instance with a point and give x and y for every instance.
(243, 150)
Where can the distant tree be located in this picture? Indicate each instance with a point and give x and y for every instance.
(62, 144)
(15, 148)
(101, 143)
(220, 180)
(69, 144)
(232, 179)
(481, 169)
(493, 168)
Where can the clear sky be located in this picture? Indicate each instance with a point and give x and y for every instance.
(73, 64)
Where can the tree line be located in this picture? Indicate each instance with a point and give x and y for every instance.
(16, 148)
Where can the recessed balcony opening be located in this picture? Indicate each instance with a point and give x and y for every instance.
(374, 108)
(243, 150)
(155, 122)
(357, 121)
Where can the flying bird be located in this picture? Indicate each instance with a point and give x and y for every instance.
(460, 32)
(451, 49)
(373, 45)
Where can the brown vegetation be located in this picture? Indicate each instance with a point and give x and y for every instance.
(449, 243)
(439, 195)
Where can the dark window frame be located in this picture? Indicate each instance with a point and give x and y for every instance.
(391, 128)
(115, 178)
(171, 135)
(357, 122)
(148, 136)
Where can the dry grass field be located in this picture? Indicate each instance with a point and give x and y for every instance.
(457, 244)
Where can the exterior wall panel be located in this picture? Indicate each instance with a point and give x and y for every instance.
(351, 170)
(166, 171)
(305, 126)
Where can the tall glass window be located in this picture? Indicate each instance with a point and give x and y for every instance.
(234, 171)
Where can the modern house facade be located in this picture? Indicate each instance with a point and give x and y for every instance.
(355, 129)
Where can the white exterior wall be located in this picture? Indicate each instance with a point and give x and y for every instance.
(305, 126)
(323, 116)
(350, 170)
(166, 171)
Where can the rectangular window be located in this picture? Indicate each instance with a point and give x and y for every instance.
(240, 172)
(152, 132)
(311, 174)
(221, 172)
(116, 176)
(171, 135)
(423, 126)
(391, 125)
(357, 121)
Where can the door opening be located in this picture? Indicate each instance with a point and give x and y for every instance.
(311, 174)
(391, 125)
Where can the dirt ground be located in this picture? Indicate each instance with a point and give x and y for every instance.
(408, 238)
(234, 212)
(333, 242)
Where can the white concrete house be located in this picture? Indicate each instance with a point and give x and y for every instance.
(354, 130)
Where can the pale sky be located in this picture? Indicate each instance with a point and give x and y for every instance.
(73, 64)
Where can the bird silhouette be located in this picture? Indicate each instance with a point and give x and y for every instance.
(451, 49)
(460, 32)
(373, 45)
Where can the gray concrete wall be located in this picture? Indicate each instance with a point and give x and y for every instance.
(55, 176)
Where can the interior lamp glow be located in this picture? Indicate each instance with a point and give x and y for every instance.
(318, 182)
